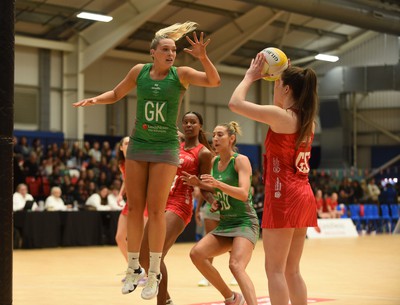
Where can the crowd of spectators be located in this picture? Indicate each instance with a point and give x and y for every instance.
(81, 170)
(355, 190)
(78, 170)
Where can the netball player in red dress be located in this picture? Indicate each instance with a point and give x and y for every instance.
(194, 158)
(122, 228)
(289, 206)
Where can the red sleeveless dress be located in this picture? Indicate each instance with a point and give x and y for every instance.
(289, 200)
(180, 196)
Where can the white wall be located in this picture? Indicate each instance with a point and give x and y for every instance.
(26, 66)
(212, 103)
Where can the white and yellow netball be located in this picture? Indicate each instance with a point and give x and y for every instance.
(275, 63)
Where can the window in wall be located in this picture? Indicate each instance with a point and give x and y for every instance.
(26, 108)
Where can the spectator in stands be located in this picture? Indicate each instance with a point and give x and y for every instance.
(95, 152)
(332, 205)
(358, 192)
(114, 172)
(22, 147)
(55, 178)
(16, 146)
(98, 201)
(65, 145)
(81, 160)
(117, 183)
(47, 165)
(68, 191)
(389, 194)
(86, 148)
(92, 168)
(19, 176)
(62, 156)
(53, 148)
(31, 165)
(103, 179)
(91, 187)
(322, 208)
(54, 202)
(115, 150)
(114, 200)
(23, 200)
(81, 192)
(106, 151)
(345, 191)
(37, 147)
(373, 191)
(83, 176)
(364, 187)
(75, 149)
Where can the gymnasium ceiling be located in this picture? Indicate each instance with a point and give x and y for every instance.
(238, 28)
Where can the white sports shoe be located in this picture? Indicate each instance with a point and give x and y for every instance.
(203, 282)
(132, 278)
(142, 282)
(150, 290)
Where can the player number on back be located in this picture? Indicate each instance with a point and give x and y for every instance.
(302, 162)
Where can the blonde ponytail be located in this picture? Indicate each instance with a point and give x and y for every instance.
(232, 128)
(174, 32)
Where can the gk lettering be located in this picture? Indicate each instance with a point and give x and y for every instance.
(153, 111)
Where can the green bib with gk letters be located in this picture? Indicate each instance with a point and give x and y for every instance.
(157, 110)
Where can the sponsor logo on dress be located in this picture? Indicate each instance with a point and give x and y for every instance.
(156, 89)
(278, 188)
(275, 165)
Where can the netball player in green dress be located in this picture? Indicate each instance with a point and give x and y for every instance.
(152, 155)
(238, 229)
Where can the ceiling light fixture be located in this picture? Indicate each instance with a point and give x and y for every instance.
(95, 17)
(325, 57)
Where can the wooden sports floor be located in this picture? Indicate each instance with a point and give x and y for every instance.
(347, 271)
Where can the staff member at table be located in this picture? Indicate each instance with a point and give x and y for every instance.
(22, 200)
(98, 201)
(54, 202)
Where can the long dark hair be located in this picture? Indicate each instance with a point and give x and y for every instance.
(202, 135)
(120, 155)
(303, 83)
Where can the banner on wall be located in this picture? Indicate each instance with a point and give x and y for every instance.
(333, 228)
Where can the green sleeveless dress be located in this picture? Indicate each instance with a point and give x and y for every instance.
(154, 137)
(237, 218)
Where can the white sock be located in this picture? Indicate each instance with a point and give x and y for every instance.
(155, 261)
(231, 298)
(133, 260)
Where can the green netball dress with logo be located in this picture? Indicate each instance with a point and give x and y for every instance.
(154, 137)
(237, 218)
